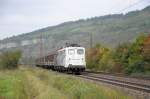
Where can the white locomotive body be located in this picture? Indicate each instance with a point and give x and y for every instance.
(70, 58)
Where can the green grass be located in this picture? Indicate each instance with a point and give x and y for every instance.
(76, 88)
(29, 83)
(38, 89)
(11, 85)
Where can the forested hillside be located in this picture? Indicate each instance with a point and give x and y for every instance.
(109, 30)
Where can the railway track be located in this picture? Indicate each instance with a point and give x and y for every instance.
(120, 75)
(131, 83)
(137, 83)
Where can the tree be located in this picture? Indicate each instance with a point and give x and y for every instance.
(9, 59)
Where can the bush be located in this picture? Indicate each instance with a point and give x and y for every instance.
(126, 58)
(9, 59)
(100, 58)
(131, 56)
(93, 56)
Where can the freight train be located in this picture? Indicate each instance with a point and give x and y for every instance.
(70, 58)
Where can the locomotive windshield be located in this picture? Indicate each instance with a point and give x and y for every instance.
(71, 51)
(76, 51)
(80, 51)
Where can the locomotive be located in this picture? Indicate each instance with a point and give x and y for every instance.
(70, 58)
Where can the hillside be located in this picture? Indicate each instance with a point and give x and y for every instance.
(109, 30)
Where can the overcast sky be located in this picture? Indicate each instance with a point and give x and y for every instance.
(21, 16)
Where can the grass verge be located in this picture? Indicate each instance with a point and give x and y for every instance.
(37, 83)
(11, 85)
(76, 88)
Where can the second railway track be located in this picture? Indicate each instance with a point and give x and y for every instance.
(122, 82)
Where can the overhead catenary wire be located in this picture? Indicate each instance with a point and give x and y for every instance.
(138, 2)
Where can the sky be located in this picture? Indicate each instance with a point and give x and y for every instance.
(22, 16)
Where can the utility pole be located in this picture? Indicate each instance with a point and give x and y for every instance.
(42, 48)
(0, 45)
(91, 40)
(41, 45)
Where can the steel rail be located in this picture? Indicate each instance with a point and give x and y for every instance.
(126, 84)
(119, 75)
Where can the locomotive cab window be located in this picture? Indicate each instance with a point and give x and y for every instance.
(80, 51)
(71, 51)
